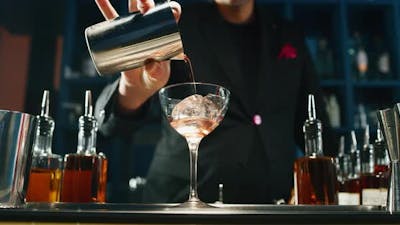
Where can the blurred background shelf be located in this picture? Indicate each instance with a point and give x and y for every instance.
(377, 84)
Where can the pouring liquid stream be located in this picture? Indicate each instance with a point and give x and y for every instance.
(191, 74)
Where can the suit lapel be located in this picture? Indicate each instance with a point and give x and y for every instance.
(267, 44)
(222, 48)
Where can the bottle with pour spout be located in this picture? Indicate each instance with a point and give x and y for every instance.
(373, 188)
(315, 180)
(85, 172)
(46, 169)
(352, 184)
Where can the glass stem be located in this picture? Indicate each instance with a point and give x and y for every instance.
(193, 150)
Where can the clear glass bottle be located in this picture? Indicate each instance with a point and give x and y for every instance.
(381, 169)
(343, 171)
(342, 161)
(315, 180)
(352, 183)
(46, 169)
(381, 154)
(85, 172)
(370, 190)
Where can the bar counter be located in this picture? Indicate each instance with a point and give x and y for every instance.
(170, 214)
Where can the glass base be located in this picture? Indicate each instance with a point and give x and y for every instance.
(194, 204)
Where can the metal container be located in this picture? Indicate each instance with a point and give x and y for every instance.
(389, 120)
(16, 136)
(128, 42)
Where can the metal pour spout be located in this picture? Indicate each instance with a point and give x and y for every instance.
(311, 108)
(88, 103)
(45, 104)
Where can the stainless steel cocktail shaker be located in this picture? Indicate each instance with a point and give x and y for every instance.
(16, 136)
(128, 42)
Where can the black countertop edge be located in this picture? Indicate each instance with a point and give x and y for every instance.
(227, 215)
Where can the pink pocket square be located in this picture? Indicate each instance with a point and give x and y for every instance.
(288, 52)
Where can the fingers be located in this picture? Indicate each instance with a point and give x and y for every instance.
(132, 5)
(176, 10)
(157, 71)
(145, 5)
(153, 67)
(106, 9)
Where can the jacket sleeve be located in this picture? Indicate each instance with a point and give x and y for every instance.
(113, 123)
(310, 85)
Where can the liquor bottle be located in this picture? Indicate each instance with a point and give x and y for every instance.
(380, 57)
(381, 169)
(342, 168)
(85, 172)
(370, 192)
(361, 57)
(352, 183)
(46, 169)
(324, 62)
(342, 161)
(315, 180)
(381, 154)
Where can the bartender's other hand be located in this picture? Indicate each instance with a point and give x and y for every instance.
(138, 85)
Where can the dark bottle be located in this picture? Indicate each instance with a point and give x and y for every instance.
(370, 187)
(85, 172)
(315, 180)
(46, 169)
(352, 183)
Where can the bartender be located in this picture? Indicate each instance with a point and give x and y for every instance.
(263, 61)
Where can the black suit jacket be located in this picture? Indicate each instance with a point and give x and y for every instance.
(254, 162)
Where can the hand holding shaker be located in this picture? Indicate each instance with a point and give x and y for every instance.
(126, 42)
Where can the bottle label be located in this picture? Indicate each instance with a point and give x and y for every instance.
(374, 196)
(347, 198)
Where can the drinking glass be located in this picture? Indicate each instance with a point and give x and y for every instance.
(194, 110)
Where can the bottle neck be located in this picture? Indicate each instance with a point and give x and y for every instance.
(381, 156)
(367, 159)
(313, 138)
(44, 135)
(342, 166)
(87, 135)
(355, 164)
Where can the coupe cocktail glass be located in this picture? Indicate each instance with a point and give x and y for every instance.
(194, 110)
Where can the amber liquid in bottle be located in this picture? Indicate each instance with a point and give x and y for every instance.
(316, 180)
(84, 178)
(352, 185)
(44, 186)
